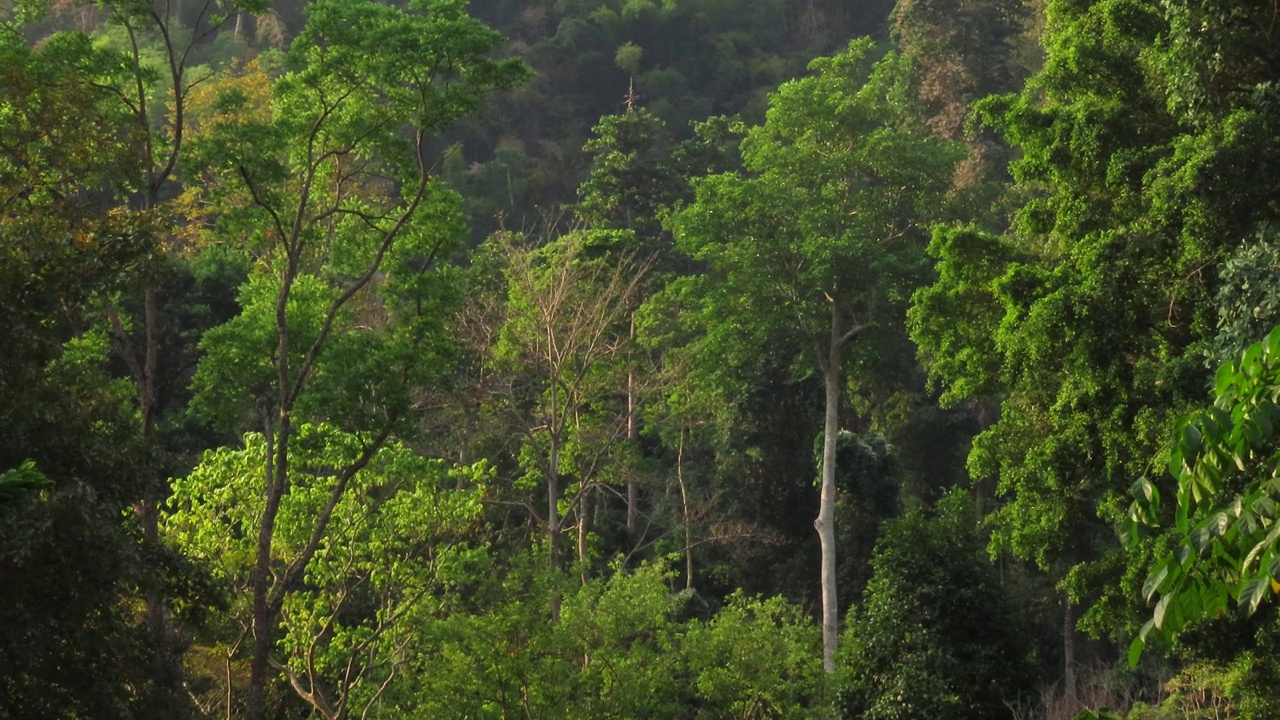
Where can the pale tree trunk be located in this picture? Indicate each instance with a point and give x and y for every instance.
(825, 524)
(684, 510)
(584, 521)
(830, 358)
(633, 492)
(553, 507)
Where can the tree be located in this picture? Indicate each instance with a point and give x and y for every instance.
(820, 245)
(398, 549)
(633, 185)
(73, 568)
(334, 196)
(1087, 321)
(565, 328)
(1224, 463)
(141, 63)
(935, 636)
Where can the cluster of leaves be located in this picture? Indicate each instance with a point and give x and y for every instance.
(934, 636)
(403, 543)
(1226, 465)
(622, 648)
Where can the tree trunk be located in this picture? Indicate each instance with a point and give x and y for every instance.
(825, 524)
(633, 492)
(584, 523)
(1069, 690)
(684, 510)
(263, 615)
(553, 515)
(168, 665)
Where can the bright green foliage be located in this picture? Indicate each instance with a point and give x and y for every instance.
(1226, 465)
(619, 651)
(1084, 322)
(934, 637)
(399, 546)
(963, 352)
(331, 191)
(757, 658)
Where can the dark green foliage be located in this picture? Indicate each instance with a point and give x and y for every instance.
(633, 183)
(868, 477)
(934, 637)
(72, 571)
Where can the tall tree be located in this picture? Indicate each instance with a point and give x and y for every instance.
(334, 195)
(72, 568)
(633, 185)
(1142, 151)
(818, 248)
(565, 343)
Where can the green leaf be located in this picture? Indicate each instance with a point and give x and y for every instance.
(1156, 579)
(1252, 593)
(1264, 506)
(1143, 489)
(1139, 643)
(1162, 609)
(1224, 378)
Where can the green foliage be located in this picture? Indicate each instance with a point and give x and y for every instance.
(620, 650)
(1224, 461)
(633, 183)
(757, 658)
(72, 567)
(399, 546)
(1086, 320)
(934, 636)
(64, 83)
(962, 355)
(839, 181)
(1248, 297)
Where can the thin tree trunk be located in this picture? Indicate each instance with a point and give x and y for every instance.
(164, 660)
(152, 496)
(684, 510)
(553, 516)
(263, 618)
(633, 491)
(1069, 689)
(584, 521)
(825, 524)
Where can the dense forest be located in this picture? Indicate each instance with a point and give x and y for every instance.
(639, 359)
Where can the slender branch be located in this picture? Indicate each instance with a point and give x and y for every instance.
(853, 332)
(126, 347)
(327, 327)
(299, 565)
